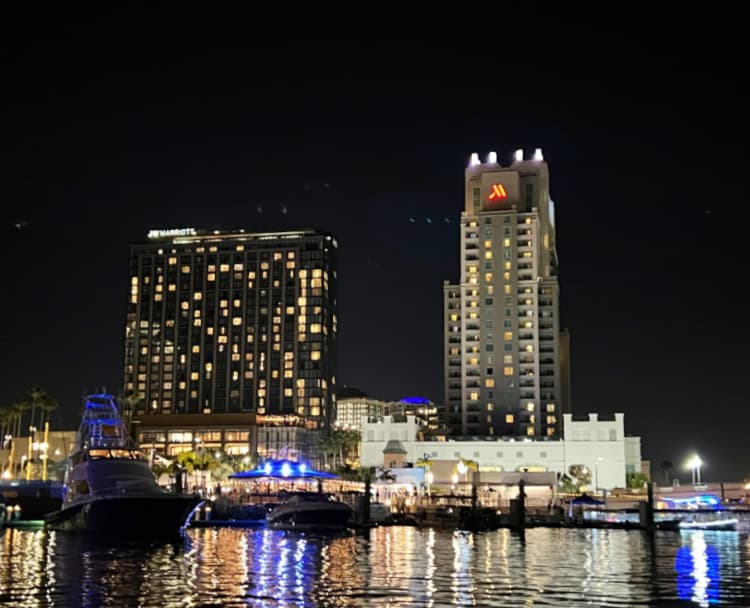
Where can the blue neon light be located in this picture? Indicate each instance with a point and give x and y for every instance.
(416, 401)
(284, 469)
(701, 500)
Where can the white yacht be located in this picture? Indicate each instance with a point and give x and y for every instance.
(109, 486)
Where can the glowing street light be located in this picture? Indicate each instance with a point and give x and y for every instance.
(694, 464)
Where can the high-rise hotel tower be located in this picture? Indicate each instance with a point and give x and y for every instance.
(230, 341)
(506, 359)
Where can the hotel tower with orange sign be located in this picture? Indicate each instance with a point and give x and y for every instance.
(230, 342)
(506, 357)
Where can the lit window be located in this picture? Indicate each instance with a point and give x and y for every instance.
(224, 268)
(196, 348)
(194, 376)
(530, 406)
(488, 277)
(508, 371)
(236, 321)
(489, 382)
(473, 396)
(506, 242)
(530, 430)
(508, 418)
(211, 276)
(507, 265)
(315, 355)
(172, 261)
(508, 335)
(550, 407)
(315, 328)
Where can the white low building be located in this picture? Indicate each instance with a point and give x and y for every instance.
(599, 445)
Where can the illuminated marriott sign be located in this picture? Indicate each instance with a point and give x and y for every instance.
(156, 234)
(498, 193)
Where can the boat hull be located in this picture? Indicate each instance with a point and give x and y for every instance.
(148, 516)
(330, 516)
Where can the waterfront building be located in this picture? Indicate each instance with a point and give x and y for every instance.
(505, 355)
(230, 341)
(594, 444)
(351, 410)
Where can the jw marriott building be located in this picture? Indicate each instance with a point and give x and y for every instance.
(230, 341)
(506, 358)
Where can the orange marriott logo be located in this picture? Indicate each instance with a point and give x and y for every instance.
(498, 193)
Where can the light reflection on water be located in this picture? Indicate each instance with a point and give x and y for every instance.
(397, 566)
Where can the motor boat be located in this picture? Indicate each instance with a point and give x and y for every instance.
(715, 524)
(309, 511)
(109, 486)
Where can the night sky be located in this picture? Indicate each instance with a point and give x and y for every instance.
(114, 126)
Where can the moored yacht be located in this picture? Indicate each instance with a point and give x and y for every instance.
(309, 511)
(109, 486)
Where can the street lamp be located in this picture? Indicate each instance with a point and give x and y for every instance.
(694, 464)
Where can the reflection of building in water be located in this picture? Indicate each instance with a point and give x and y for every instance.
(303, 570)
(698, 571)
(23, 559)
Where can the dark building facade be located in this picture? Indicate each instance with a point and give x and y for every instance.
(230, 341)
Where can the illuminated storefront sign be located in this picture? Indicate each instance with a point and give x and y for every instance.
(498, 193)
(156, 234)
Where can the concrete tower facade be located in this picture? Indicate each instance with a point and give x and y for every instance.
(506, 359)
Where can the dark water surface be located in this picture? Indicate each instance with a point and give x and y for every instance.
(398, 566)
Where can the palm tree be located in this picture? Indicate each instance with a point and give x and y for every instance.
(330, 446)
(128, 405)
(350, 440)
(385, 475)
(37, 398)
(666, 468)
(18, 408)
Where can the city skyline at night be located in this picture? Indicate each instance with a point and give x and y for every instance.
(114, 131)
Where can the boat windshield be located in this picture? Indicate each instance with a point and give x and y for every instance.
(98, 454)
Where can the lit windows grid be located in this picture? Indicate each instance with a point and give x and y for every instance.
(203, 343)
(499, 272)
